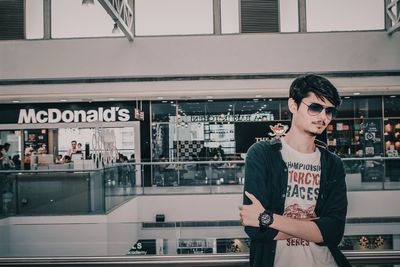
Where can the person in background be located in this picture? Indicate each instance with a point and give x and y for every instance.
(59, 159)
(72, 149)
(1, 157)
(28, 150)
(17, 161)
(67, 159)
(221, 153)
(42, 149)
(6, 162)
(28, 157)
(79, 148)
(295, 202)
(120, 158)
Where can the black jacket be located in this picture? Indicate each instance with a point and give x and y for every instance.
(267, 178)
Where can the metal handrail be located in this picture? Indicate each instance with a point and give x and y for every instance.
(155, 163)
(241, 259)
(377, 256)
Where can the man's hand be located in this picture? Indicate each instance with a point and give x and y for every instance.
(249, 213)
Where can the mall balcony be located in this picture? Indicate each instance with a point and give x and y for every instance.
(165, 98)
(188, 217)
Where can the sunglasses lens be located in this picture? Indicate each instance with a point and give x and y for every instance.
(315, 109)
(331, 112)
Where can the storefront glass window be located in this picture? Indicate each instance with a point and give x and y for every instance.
(14, 153)
(357, 130)
(124, 139)
(161, 111)
(368, 107)
(346, 109)
(392, 126)
(392, 106)
(198, 130)
(360, 107)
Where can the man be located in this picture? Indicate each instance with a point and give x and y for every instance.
(295, 199)
(6, 162)
(73, 149)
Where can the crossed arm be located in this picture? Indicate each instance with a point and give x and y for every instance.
(287, 227)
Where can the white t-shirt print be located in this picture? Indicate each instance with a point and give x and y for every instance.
(304, 171)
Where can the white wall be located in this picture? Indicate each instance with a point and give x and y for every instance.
(190, 207)
(196, 55)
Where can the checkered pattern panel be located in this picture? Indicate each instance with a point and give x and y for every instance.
(187, 150)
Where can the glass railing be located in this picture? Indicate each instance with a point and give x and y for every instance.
(83, 189)
(375, 173)
(140, 242)
(196, 177)
(65, 191)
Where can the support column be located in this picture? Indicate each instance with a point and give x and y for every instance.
(302, 16)
(217, 16)
(46, 19)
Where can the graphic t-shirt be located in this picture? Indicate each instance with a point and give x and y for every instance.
(304, 171)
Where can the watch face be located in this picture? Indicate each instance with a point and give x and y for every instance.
(265, 218)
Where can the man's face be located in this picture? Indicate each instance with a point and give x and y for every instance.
(73, 144)
(312, 123)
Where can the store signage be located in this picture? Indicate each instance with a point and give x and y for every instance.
(248, 133)
(232, 118)
(372, 137)
(278, 130)
(70, 113)
(147, 247)
(139, 115)
(54, 115)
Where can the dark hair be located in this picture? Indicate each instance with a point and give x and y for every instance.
(312, 83)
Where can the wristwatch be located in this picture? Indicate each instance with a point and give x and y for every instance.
(265, 219)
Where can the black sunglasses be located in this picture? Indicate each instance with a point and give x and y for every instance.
(314, 109)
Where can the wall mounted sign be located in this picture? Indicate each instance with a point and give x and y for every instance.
(232, 118)
(70, 113)
(248, 133)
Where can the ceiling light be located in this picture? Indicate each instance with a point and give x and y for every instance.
(347, 97)
(270, 99)
(87, 3)
(210, 100)
(63, 100)
(209, 97)
(258, 95)
(15, 101)
(392, 96)
(356, 93)
(164, 101)
(160, 97)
